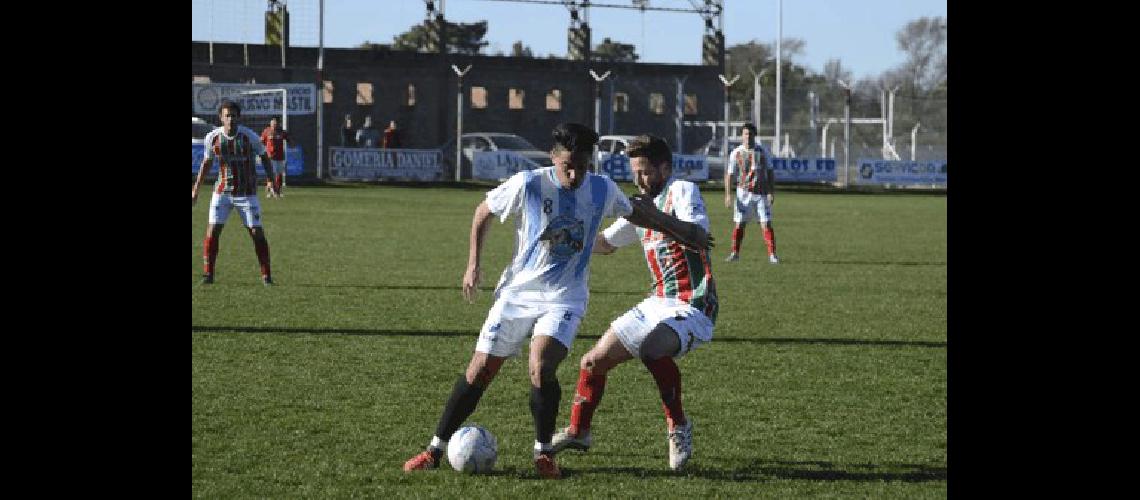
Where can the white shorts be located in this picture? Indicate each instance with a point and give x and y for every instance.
(693, 328)
(510, 323)
(247, 206)
(751, 206)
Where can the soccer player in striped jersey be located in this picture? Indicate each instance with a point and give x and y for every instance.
(754, 192)
(677, 317)
(235, 147)
(543, 293)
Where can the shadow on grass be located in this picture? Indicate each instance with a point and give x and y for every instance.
(863, 263)
(475, 333)
(766, 470)
(455, 288)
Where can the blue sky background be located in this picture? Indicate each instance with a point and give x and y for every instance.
(861, 33)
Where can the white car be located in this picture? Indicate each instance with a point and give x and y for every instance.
(498, 141)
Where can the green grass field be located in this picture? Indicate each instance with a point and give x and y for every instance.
(826, 376)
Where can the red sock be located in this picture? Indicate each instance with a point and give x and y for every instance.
(262, 249)
(280, 179)
(209, 254)
(668, 378)
(770, 240)
(737, 238)
(586, 399)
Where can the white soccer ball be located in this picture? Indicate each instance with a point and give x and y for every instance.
(472, 449)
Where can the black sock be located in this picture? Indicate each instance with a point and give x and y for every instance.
(460, 405)
(544, 408)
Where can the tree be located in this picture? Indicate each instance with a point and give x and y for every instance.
(924, 42)
(610, 51)
(520, 50)
(462, 38)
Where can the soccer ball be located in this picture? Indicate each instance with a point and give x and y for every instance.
(472, 449)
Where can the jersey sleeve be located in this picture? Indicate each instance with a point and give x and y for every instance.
(688, 204)
(507, 198)
(620, 233)
(208, 144)
(617, 204)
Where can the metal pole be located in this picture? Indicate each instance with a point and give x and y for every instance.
(724, 140)
(883, 113)
(680, 109)
(914, 140)
(846, 136)
(779, 67)
(321, 95)
(598, 112)
(459, 122)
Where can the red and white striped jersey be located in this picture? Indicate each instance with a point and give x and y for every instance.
(750, 165)
(236, 157)
(677, 271)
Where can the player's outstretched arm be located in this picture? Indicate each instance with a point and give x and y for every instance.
(480, 222)
(206, 163)
(646, 214)
(601, 246)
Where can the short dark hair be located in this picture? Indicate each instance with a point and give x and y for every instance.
(574, 137)
(652, 147)
(230, 104)
(751, 128)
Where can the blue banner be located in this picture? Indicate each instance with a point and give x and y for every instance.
(294, 162)
(931, 172)
(687, 167)
(803, 169)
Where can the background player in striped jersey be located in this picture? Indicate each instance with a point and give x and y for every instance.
(234, 146)
(676, 318)
(754, 192)
(558, 210)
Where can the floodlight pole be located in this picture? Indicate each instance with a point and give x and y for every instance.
(724, 141)
(598, 110)
(914, 140)
(459, 122)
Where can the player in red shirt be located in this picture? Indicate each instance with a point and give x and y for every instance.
(235, 147)
(274, 137)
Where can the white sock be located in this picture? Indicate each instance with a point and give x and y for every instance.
(437, 443)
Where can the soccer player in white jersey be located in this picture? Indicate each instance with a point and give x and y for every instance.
(234, 146)
(677, 317)
(558, 210)
(754, 192)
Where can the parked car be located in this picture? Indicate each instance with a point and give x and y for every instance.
(493, 141)
(613, 144)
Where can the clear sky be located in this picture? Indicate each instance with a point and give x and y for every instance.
(861, 33)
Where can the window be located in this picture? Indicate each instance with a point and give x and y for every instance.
(515, 98)
(410, 95)
(554, 100)
(478, 97)
(327, 92)
(621, 102)
(363, 93)
(690, 104)
(656, 103)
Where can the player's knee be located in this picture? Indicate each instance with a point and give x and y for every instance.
(542, 370)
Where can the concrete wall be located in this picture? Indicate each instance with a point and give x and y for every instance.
(431, 121)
